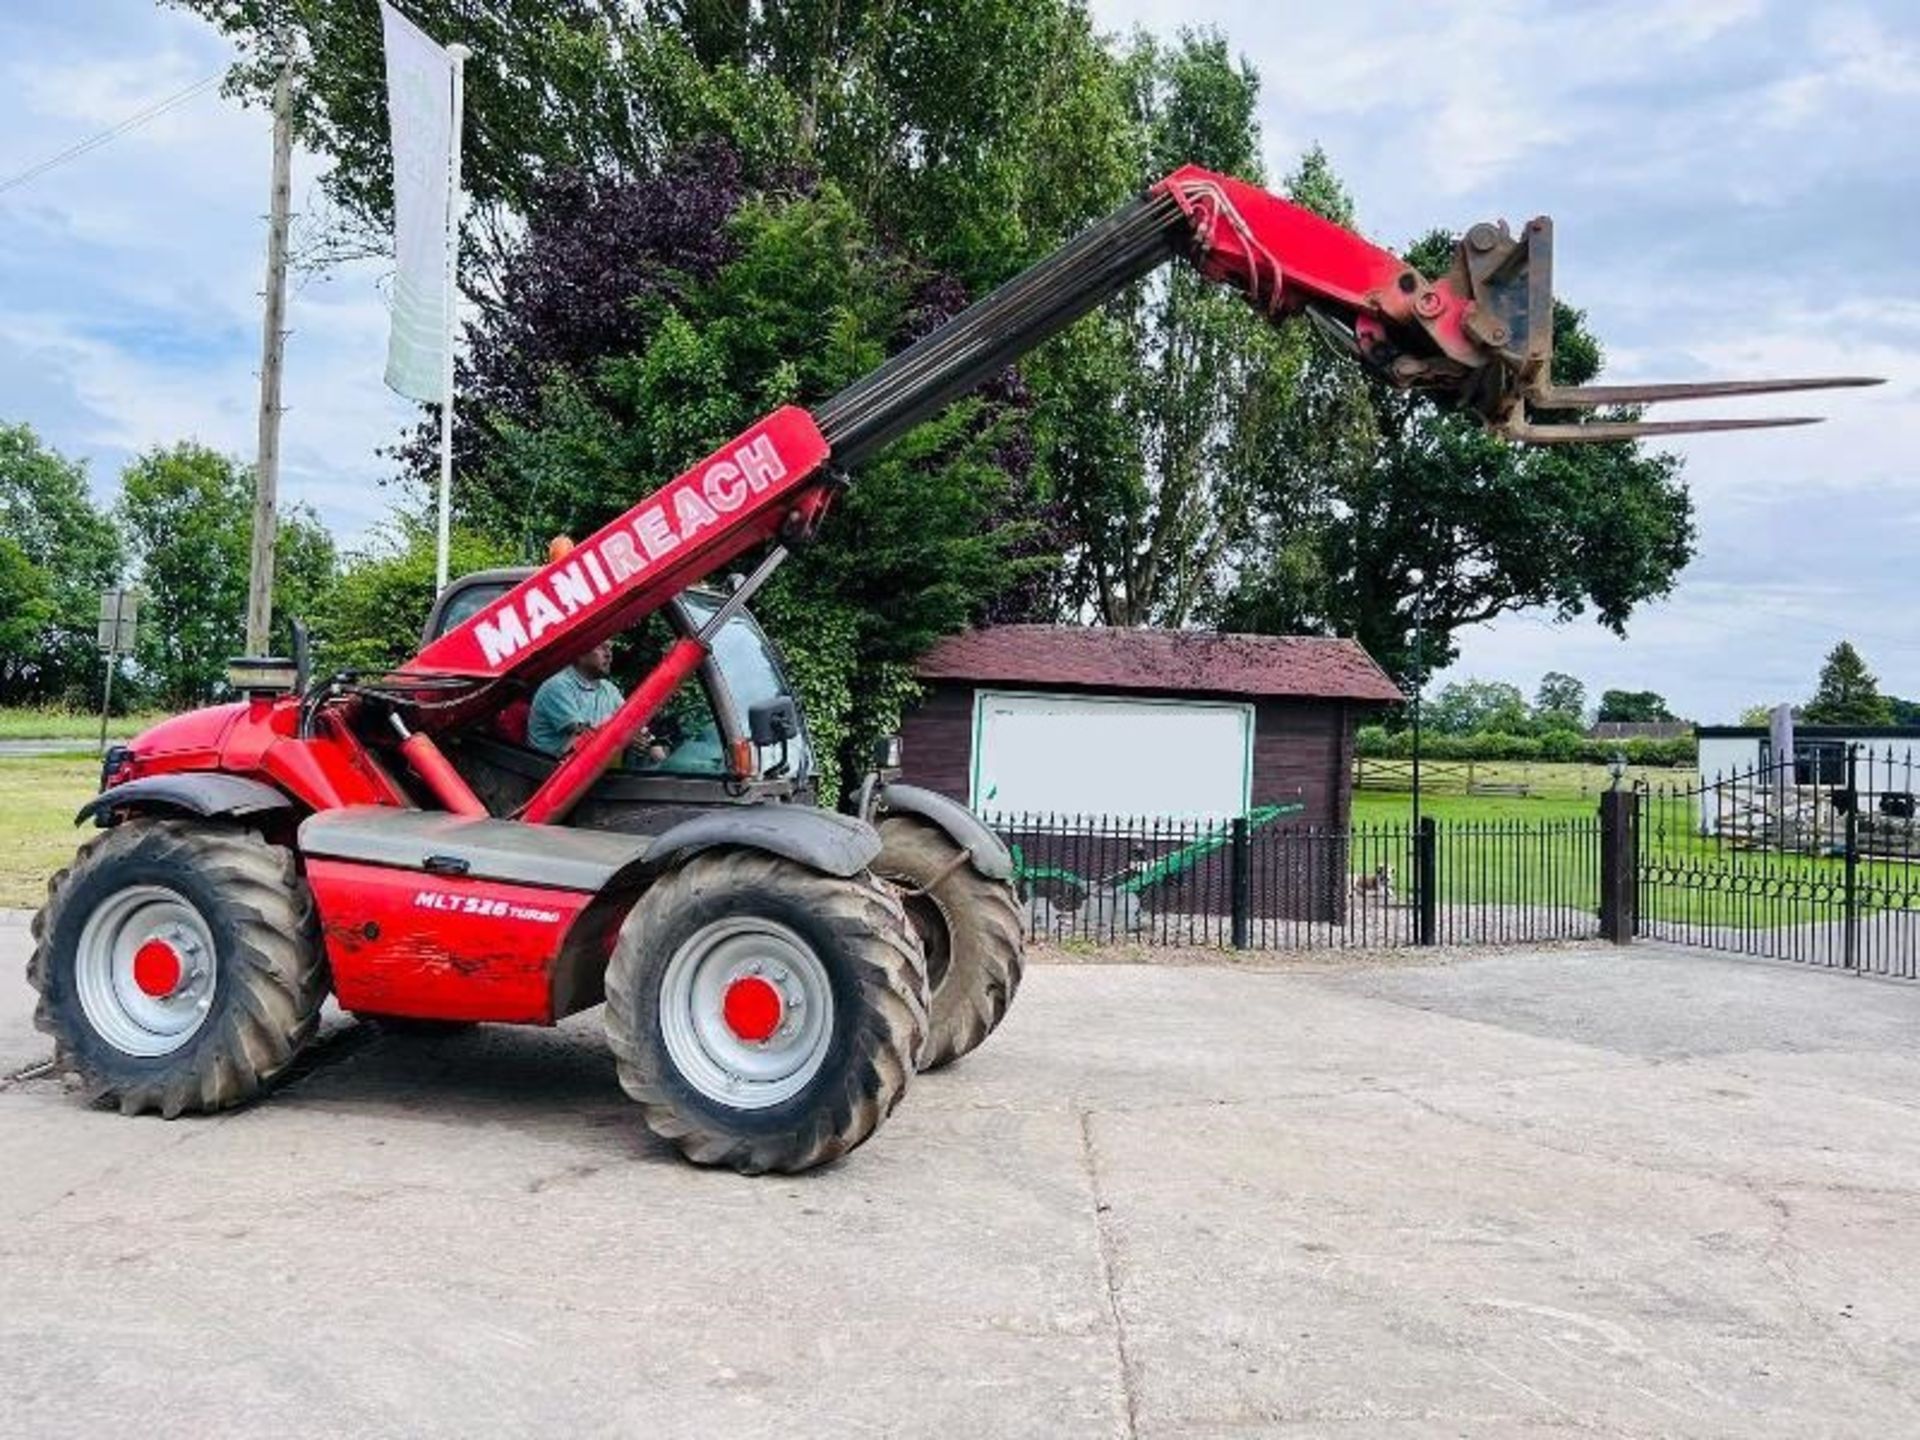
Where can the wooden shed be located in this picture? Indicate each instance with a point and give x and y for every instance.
(1103, 721)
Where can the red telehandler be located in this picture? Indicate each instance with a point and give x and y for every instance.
(773, 972)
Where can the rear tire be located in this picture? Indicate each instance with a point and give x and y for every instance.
(972, 928)
(836, 966)
(216, 911)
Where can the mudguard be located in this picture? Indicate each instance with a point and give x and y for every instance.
(831, 843)
(985, 849)
(196, 792)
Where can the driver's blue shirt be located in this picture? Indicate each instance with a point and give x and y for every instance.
(564, 705)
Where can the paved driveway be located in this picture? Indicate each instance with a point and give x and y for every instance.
(1650, 1193)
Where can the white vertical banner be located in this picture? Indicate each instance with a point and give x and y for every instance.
(420, 110)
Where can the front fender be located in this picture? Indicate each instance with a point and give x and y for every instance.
(195, 792)
(820, 839)
(985, 849)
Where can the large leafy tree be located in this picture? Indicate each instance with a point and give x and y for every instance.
(928, 536)
(977, 132)
(1158, 415)
(26, 608)
(1634, 707)
(370, 617)
(1477, 707)
(187, 513)
(1847, 692)
(600, 260)
(1561, 701)
(60, 536)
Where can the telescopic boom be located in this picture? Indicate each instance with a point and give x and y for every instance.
(1480, 337)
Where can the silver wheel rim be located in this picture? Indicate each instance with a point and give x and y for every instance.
(121, 1012)
(709, 1056)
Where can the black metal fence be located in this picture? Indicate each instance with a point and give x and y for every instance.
(1270, 884)
(1810, 858)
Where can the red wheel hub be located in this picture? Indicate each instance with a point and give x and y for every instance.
(753, 1008)
(157, 968)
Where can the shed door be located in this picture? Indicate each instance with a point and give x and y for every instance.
(1092, 755)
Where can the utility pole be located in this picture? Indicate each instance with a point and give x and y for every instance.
(266, 472)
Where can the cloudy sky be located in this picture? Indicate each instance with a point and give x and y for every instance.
(1735, 186)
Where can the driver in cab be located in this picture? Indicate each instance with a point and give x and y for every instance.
(577, 699)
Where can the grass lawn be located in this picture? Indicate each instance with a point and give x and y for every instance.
(1544, 783)
(1493, 849)
(1385, 807)
(36, 723)
(1509, 849)
(38, 796)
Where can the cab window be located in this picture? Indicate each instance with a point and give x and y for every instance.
(685, 727)
(467, 603)
(753, 674)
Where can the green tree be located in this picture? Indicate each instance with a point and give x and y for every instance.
(306, 565)
(46, 512)
(187, 512)
(1847, 692)
(1477, 707)
(26, 609)
(1561, 701)
(922, 542)
(1634, 707)
(977, 132)
(371, 616)
(1156, 415)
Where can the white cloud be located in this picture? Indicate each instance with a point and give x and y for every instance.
(131, 283)
(1855, 59)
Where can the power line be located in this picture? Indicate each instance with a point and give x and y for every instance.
(94, 142)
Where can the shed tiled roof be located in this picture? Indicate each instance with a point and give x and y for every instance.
(1111, 658)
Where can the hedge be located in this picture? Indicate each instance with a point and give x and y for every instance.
(1375, 742)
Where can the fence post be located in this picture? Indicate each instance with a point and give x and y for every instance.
(1425, 846)
(1619, 867)
(1242, 882)
(1853, 861)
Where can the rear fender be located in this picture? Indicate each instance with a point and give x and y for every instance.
(987, 852)
(188, 792)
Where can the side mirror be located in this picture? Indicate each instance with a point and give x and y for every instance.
(886, 753)
(773, 722)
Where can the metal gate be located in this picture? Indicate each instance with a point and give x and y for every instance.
(1809, 858)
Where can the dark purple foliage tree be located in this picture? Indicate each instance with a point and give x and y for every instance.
(600, 256)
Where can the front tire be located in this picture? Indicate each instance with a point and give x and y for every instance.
(972, 928)
(766, 1016)
(179, 966)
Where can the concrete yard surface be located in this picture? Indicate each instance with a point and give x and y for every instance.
(1575, 1192)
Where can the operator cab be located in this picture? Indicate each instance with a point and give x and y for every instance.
(743, 692)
